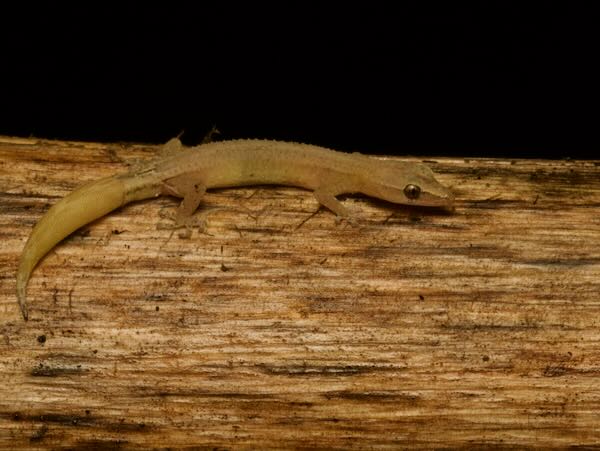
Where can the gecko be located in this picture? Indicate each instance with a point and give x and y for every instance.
(187, 172)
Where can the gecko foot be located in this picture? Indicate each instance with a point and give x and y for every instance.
(209, 137)
(197, 221)
(187, 224)
(352, 222)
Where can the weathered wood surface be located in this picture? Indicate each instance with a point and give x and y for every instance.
(417, 329)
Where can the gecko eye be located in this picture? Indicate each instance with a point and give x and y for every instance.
(412, 191)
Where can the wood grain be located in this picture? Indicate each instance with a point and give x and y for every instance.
(279, 329)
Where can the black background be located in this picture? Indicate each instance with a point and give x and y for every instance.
(501, 80)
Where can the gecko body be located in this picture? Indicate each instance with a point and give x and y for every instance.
(187, 172)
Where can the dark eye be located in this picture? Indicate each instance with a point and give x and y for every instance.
(412, 191)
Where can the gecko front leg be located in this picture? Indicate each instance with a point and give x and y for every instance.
(326, 197)
(189, 186)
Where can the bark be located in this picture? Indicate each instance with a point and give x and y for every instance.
(278, 328)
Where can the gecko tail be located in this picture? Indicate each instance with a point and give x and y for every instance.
(22, 278)
(82, 206)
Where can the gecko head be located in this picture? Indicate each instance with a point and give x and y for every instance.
(410, 183)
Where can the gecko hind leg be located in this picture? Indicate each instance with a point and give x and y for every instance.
(191, 188)
(171, 147)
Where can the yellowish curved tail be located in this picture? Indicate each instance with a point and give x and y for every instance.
(82, 206)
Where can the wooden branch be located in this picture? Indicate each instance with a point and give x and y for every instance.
(281, 329)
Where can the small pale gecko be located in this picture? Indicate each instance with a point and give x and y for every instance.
(187, 172)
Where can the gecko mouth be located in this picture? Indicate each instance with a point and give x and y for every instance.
(435, 200)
